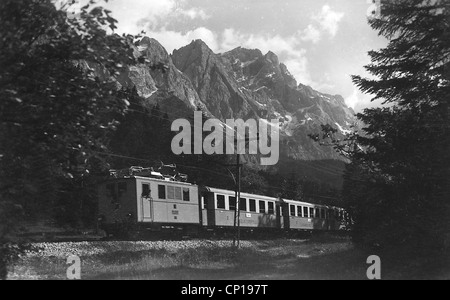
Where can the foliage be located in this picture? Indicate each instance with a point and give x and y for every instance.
(397, 185)
(55, 115)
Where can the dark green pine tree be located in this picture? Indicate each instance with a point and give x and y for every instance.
(397, 186)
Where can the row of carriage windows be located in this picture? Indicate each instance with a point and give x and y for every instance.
(250, 205)
(310, 212)
(246, 205)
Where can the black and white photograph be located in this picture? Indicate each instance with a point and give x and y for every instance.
(224, 146)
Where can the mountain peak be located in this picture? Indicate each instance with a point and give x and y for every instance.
(201, 45)
(244, 54)
(153, 50)
(273, 58)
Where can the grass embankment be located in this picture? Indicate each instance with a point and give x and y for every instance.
(322, 258)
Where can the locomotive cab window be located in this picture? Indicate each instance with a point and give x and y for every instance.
(162, 192)
(174, 193)
(146, 190)
(178, 193)
(186, 195)
(220, 202)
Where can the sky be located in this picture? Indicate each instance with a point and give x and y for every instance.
(322, 42)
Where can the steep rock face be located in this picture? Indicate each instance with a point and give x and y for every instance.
(218, 91)
(241, 83)
(170, 88)
(275, 94)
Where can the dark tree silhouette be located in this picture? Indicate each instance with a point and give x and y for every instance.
(54, 113)
(397, 186)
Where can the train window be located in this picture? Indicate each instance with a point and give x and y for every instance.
(323, 213)
(243, 204)
(271, 208)
(232, 203)
(174, 193)
(186, 195)
(170, 192)
(317, 214)
(162, 192)
(299, 211)
(122, 187)
(305, 212)
(146, 190)
(262, 207)
(178, 193)
(311, 213)
(220, 202)
(292, 210)
(252, 205)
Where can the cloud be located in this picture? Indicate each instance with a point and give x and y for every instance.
(194, 13)
(359, 101)
(151, 15)
(353, 100)
(325, 22)
(329, 20)
(311, 34)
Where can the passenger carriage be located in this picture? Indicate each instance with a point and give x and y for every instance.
(256, 211)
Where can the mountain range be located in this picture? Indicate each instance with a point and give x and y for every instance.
(241, 83)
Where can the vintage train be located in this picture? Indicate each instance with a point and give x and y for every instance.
(150, 203)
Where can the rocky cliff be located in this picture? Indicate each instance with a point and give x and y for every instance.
(241, 83)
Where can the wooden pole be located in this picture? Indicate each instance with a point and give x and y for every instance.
(236, 209)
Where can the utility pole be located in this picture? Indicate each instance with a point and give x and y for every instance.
(237, 181)
(237, 210)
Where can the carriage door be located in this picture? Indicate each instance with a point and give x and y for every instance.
(211, 209)
(146, 202)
